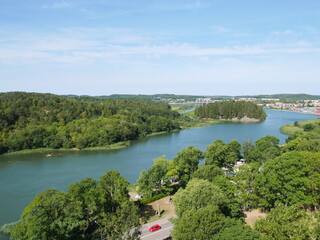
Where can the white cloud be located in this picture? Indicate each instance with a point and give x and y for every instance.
(111, 44)
(285, 32)
(219, 30)
(195, 5)
(58, 5)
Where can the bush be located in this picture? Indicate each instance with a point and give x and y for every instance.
(308, 127)
(152, 199)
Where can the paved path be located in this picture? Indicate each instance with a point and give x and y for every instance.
(163, 233)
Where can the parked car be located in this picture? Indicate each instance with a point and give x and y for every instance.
(154, 228)
(138, 197)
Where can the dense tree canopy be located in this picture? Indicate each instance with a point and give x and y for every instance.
(198, 194)
(230, 110)
(265, 148)
(284, 223)
(187, 162)
(34, 120)
(221, 154)
(291, 178)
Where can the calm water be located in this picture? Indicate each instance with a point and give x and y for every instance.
(24, 176)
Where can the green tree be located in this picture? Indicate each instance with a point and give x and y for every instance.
(308, 127)
(231, 207)
(198, 194)
(304, 142)
(156, 179)
(286, 222)
(285, 179)
(209, 223)
(236, 230)
(313, 162)
(268, 147)
(199, 224)
(248, 151)
(216, 153)
(221, 154)
(187, 162)
(46, 217)
(116, 186)
(208, 172)
(245, 189)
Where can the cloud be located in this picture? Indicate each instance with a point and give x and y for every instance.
(195, 5)
(81, 45)
(58, 5)
(219, 30)
(285, 32)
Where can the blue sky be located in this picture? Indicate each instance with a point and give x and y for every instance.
(195, 47)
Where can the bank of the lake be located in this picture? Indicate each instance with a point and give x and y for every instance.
(22, 176)
(291, 129)
(49, 151)
(118, 145)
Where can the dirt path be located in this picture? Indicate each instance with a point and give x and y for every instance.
(254, 215)
(164, 204)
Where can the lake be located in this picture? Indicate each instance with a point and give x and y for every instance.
(24, 176)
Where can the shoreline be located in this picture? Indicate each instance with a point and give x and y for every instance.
(287, 110)
(290, 129)
(118, 145)
(121, 145)
(114, 146)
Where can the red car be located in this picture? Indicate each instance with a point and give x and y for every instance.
(154, 228)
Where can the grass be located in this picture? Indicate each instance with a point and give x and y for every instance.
(291, 129)
(41, 150)
(181, 108)
(201, 123)
(156, 133)
(191, 114)
(157, 217)
(132, 187)
(118, 145)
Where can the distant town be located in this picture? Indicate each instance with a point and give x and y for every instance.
(303, 106)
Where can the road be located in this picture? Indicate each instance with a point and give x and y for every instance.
(163, 233)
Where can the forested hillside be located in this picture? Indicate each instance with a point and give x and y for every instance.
(230, 109)
(34, 120)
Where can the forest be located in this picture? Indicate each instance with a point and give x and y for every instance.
(230, 109)
(210, 192)
(35, 120)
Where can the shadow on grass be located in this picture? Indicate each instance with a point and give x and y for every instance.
(147, 212)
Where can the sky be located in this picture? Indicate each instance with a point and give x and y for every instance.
(194, 47)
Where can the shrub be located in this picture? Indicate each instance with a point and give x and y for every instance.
(152, 199)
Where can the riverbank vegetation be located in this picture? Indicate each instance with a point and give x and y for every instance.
(44, 122)
(300, 127)
(231, 110)
(34, 120)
